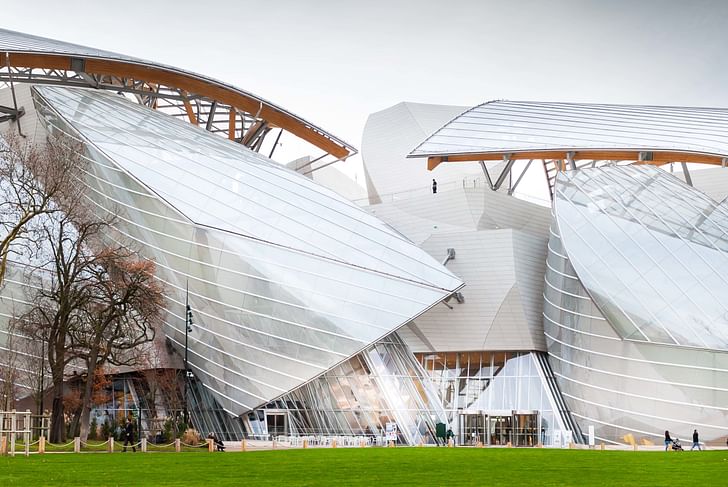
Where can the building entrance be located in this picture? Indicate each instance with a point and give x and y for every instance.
(277, 423)
(525, 429)
(518, 428)
(472, 429)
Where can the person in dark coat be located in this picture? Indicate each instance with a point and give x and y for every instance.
(434, 186)
(668, 440)
(219, 445)
(129, 435)
(696, 440)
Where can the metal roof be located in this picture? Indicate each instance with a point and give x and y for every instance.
(537, 130)
(42, 60)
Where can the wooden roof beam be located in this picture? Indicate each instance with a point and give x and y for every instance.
(187, 82)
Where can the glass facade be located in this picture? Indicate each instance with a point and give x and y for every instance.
(635, 304)
(286, 278)
(495, 397)
(383, 384)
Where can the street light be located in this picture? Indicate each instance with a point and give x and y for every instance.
(188, 329)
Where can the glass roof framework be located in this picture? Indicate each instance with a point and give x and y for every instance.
(217, 106)
(566, 136)
(286, 278)
(650, 250)
(508, 126)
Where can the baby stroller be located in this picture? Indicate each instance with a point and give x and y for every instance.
(676, 446)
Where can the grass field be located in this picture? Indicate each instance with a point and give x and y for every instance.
(371, 467)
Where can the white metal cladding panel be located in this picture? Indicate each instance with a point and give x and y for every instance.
(269, 317)
(219, 184)
(712, 181)
(31, 128)
(388, 137)
(530, 258)
(489, 260)
(502, 126)
(494, 315)
(503, 211)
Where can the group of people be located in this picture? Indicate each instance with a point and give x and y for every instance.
(129, 438)
(676, 442)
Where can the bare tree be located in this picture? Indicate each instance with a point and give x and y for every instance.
(33, 181)
(125, 311)
(63, 289)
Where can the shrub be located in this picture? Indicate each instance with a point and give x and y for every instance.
(191, 437)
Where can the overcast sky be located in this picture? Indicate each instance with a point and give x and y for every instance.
(335, 62)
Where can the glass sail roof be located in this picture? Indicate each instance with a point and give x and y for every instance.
(226, 186)
(510, 126)
(650, 250)
(286, 278)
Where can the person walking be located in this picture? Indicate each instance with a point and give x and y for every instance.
(434, 186)
(129, 436)
(696, 441)
(668, 440)
(450, 436)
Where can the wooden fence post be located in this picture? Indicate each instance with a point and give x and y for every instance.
(244, 446)
(144, 445)
(305, 443)
(76, 444)
(3, 445)
(110, 448)
(41, 445)
(177, 445)
(210, 445)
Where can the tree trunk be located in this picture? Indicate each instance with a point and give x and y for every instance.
(86, 396)
(58, 425)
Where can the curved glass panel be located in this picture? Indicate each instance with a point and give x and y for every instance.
(650, 250)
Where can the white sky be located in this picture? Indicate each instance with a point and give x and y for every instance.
(335, 62)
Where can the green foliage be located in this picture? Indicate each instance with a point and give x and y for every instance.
(93, 432)
(173, 428)
(370, 466)
(105, 430)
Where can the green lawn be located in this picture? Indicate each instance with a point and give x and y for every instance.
(371, 467)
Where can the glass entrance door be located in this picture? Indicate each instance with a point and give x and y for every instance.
(525, 430)
(276, 423)
(500, 430)
(472, 429)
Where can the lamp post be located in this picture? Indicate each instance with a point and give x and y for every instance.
(188, 329)
(40, 386)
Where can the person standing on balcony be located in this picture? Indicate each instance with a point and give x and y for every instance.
(434, 187)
